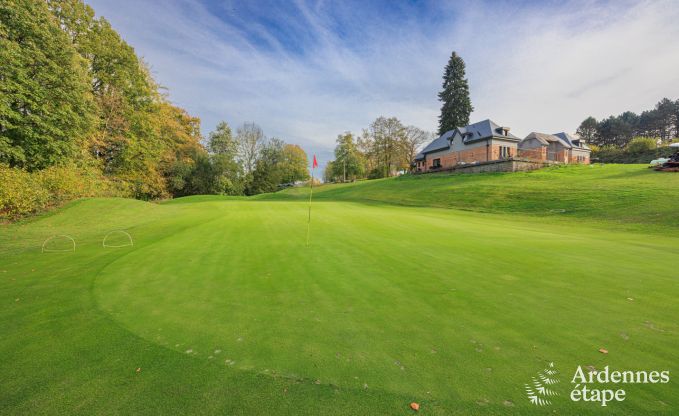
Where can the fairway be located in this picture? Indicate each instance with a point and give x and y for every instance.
(219, 307)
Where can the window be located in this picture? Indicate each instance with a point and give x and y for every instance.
(505, 152)
(436, 163)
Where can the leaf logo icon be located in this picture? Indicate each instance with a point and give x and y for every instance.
(539, 391)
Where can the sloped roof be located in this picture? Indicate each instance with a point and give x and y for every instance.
(545, 139)
(539, 137)
(439, 143)
(574, 141)
(484, 130)
(474, 132)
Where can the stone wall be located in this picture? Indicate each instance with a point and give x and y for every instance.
(511, 165)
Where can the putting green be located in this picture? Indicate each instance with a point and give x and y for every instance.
(219, 307)
(442, 306)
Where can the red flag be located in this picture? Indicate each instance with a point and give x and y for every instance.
(315, 164)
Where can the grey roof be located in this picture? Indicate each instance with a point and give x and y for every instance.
(545, 139)
(484, 130)
(481, 130)
(574, 141)
(540, 137)
(439, 143)
(419, 156)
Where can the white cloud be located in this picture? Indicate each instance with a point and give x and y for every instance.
(534, 68)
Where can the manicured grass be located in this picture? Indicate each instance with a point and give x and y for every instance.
(632, 196)
(226, 311)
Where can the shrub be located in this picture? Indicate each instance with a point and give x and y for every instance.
(23, 193)
(614, 154)
(641, 145)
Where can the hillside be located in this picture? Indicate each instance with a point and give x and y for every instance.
(220, 307)
(631, 195)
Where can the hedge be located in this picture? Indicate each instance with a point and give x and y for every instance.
(23, 193)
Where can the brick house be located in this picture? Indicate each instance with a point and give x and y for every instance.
(560, 147)
(479, 142)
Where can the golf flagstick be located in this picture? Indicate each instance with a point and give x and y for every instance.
(311, 193)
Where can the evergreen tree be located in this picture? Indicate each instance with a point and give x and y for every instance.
(588, 130)
(457, 105)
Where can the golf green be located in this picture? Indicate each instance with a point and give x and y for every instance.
(221, 307)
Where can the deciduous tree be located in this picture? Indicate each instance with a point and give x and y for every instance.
(250, 140)
(349, 162)
(413, 139)
(46, 109)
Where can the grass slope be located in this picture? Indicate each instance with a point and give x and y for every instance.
(226, 311)
(632, 196)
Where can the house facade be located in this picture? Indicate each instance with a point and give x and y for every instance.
(560, 147)
(484, 141)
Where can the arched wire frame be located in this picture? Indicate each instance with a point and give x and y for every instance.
(129, 237)
(51, 250)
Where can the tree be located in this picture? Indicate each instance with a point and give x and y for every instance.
(221, 142)
(224, 149)
(46, 109)
(457, 105)
(293, 165)
(125, 94)
(385, 136)
(666, 114)
(266, 175)
(250, 140)
(616, 131)
(329, 172)
(348, 162)
(662, 122)
(139, 135)
(412, 140)
(588, 130)
(366, 148)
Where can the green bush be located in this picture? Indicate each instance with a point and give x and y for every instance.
(614, 154)
(641, 145)
(23, 193)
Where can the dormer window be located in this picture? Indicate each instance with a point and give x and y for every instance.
(504, 131)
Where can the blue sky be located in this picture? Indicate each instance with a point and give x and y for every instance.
(308, 71)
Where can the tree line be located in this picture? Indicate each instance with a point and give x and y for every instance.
(383, 149)
(388, 146)
(660, 123)
(74, 93)
(246, 163)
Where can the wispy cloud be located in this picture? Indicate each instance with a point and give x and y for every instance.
(309, 71)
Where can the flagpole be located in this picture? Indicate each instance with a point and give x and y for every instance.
(311, 192)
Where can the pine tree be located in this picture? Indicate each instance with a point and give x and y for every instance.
(457, 105)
